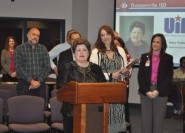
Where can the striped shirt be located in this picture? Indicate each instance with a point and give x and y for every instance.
(32, 63)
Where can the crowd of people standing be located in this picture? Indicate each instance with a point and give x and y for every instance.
(30, 63)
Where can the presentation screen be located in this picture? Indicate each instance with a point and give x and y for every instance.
(137, 20)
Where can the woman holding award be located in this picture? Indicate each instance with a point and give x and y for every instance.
(113, 61)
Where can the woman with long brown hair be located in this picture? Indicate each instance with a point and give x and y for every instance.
(7, 60)
(113, 61)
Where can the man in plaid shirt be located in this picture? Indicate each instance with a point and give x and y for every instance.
(32, 65)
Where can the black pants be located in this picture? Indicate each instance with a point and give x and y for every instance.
(68, 124)
(23, 89)
(8, 78)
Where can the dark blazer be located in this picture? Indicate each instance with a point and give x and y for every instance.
(64, 58)
(6, 60)
(164, 77)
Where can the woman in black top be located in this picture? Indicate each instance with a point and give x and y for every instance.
(80, 70)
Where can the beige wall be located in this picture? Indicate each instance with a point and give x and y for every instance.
(86, 16)
(51, 9)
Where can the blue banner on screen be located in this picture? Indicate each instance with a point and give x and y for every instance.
(137, 20)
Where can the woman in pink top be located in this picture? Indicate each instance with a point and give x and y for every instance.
(155, 78)
(7, 60)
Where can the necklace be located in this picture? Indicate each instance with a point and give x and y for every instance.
(109, 50)
(86, 71)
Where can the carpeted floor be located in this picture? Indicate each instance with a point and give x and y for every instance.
(171, 125)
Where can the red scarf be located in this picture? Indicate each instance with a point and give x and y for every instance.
(12, 66)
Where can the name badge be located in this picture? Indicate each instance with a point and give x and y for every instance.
(147, 63)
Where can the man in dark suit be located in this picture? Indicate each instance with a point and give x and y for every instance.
(66, 56)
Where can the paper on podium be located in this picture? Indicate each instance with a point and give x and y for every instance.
(133, 62)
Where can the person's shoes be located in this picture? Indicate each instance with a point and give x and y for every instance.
(127, 124)
(177, 112)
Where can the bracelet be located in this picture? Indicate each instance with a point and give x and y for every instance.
(110, 77)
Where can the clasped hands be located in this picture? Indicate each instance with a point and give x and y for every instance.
(13, 75)
(34, 84)
(152, 94)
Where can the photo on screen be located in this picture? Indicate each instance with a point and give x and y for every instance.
(136, 32)
(165, 17)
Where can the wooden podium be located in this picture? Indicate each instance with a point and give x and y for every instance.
(80, 94)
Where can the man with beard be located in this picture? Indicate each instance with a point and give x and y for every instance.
(32, 65)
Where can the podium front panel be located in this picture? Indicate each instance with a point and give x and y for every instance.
(101, 93)
(89, 93)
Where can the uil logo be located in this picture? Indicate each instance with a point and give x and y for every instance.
(174, 25)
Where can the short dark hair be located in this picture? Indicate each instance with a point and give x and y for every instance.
(74, 32)
(81, 41)
(139, 25)
(68, 34)
(181, 59)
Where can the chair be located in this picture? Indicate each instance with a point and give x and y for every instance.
(3, 128)
(54, 92)
(5, 94)
(47, 113)
(7, 91)
(9, 87)
(56, 116)
(26, 114)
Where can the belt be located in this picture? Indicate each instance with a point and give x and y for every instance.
(153, 84)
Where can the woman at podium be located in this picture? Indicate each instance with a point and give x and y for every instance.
(80, 70)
